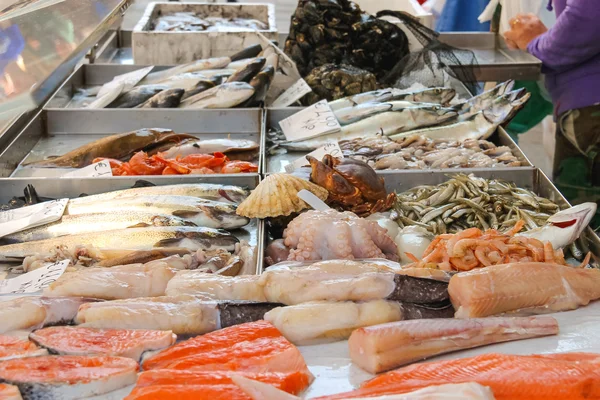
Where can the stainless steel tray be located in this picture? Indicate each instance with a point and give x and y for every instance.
(528, 178)
(277, 163)
(54, 132)
(60, 188)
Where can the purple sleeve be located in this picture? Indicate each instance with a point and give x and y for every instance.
(575, 38)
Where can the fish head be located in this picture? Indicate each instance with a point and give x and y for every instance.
(506, 106)
(224, 213)
(436, 113)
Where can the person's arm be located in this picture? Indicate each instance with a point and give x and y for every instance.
(574, 39)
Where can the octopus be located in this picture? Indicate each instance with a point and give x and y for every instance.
(331, 234)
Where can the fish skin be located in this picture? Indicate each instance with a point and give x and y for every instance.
(26, 313)
(572, 376)
(68, 377)
(248, 71)
(476, 127)
(199, 88)
(349, 115)
(201, 212)
(503, 288)
(208, 191)
(194, 66)
(78, 341)
(193, 238)
(128, 80)
(227, 95)
(16, 347)
(383, 347)
(166, 99)
(97, 222)
(440, 95)
(9, 392)
(113, 146)
(136, 96)
(210, 146)
(376, 96)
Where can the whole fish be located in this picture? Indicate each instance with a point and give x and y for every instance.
(500, 109)
(210, 146)
(261, 84)
(194, 66)
(349, 115)
(208, 191)
(114, 146)
(97, 222)
(165, 99)
(193, 238)
(248, 71)
(201, 212)
(476, 127)
(227, 95)
(485, 99)
(136, 96)
(200, 87)
(441, 95)
(376, 96)
(128, 81)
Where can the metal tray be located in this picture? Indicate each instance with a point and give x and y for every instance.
(60, 188)
(54, 132)
(529, 178)
(277, 163)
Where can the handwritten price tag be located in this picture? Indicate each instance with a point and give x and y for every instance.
(12, 221)
(35, 280)
(294, 93)
(313, 121)
(332, 148)
(101, 168)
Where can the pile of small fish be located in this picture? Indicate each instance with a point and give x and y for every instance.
(467, 201)
(420, 152)
(398, 114)
(194, 22)
(184, 223)
(169, 147)
(242, 80)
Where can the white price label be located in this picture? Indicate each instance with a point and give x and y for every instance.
(35, 280)
(19, 219)
(294, 93)
(101, 168)
(332, 148)
(313, 121)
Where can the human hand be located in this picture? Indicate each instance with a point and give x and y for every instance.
(524, 28)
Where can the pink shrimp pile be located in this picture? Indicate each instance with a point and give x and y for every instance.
(474, 248)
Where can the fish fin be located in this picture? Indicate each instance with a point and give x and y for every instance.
(140, 225)
(167, 242)
(142, 183)
(185, 213)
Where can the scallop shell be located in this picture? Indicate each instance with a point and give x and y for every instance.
(277, 196)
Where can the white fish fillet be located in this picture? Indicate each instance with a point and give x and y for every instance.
(184, 315)
(9, 392)
(127, 80)
(35, 312)
(320, 322)
(108, 97)
(122, 282)
(216, 287)
(383, 347)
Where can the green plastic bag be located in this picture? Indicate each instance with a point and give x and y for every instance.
(537, 108)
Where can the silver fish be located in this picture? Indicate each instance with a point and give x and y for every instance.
(97, 222)
(210, 146)
(476, 127)
(193, 238)
(349, 115)
(208, 191)
(440, 95)
(194, 66)
(170, 98)
(484, 100)
(504, 108)
(227, 95)
(136, 96)
(248, 71)
(128, 80)
(199, 88)
(207, 213)
(377, 96)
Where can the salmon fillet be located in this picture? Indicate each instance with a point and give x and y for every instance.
(574, 376)
(14, 347)
(189, 392)
(68, 377)
(9, 392)
(111, 342)
(252, 347)
(511, 287)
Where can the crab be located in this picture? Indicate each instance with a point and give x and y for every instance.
(352, 184)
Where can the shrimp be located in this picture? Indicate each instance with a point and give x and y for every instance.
(235, 167)
(466, 234)
(548, 252)
(516, 229)
(176, 166)
(481, 256)
(141, 164)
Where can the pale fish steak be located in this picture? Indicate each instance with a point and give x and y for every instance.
(564, 227)
(127, 80)
(227, 95)
(210, 146)
(383, 347)
(79, 341)
(323, 322)
(26, 313)
(216, 287)
(9, 392)
(201, 212)
(68, 377)
(121, 282)
(527, 287)
(193, 238)
(97, 222)
(477, 127)
(208, 191)
(15, 346)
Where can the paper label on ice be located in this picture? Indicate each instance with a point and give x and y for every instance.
(332, 148)
(35, 280)
(101, 168)
(313, 121)
(19, 219)
(294, 93)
